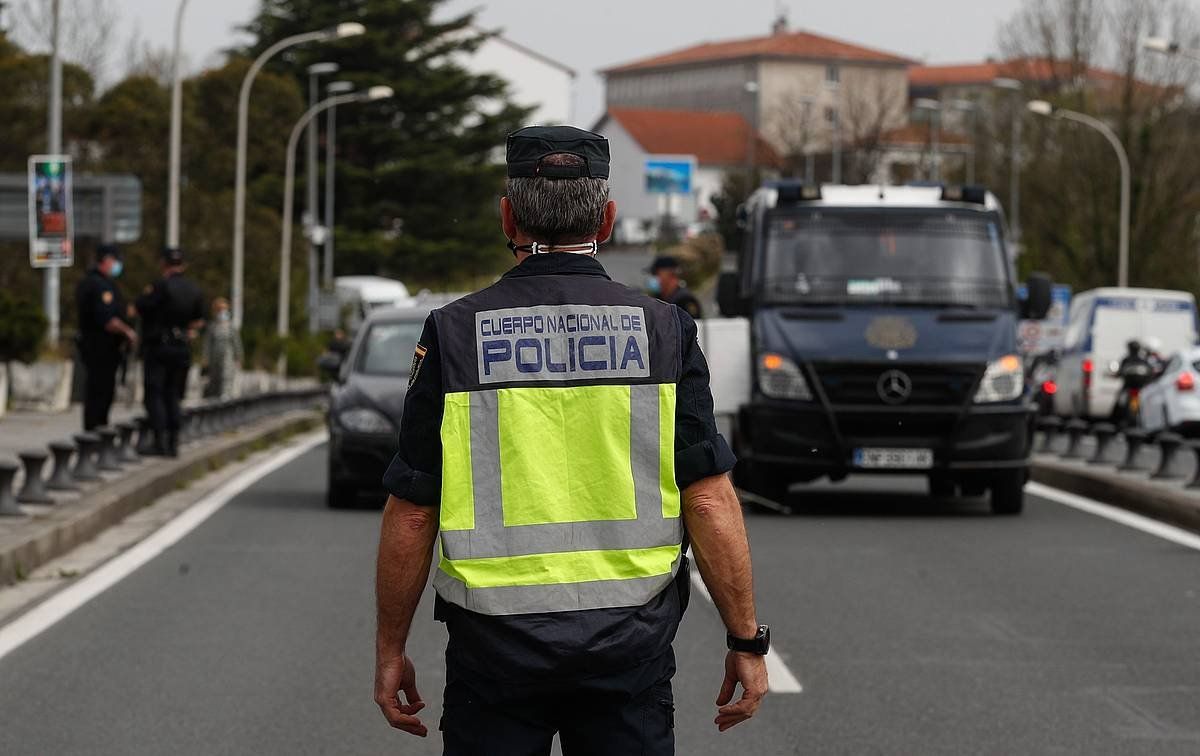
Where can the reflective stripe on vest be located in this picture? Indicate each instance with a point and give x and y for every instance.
(556, 499)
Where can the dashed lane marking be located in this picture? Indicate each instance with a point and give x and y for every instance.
(61, 604)
(780, 678)
(1116, 514)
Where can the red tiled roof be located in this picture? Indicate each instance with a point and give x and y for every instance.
(714, 138)
(798, 44)
(1034, 70)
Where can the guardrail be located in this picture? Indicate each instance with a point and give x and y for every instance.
(88, 456)
(1075, 438)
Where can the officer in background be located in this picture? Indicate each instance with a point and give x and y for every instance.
(172, 311)
(558, 430)
(104, 337)
(666, 283)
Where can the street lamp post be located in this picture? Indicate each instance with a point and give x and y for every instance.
(751, 88)
(50, 281)
(1043, 108)
(1169, 47)
(176, 148)
(289, 185)
(1014, 174)
(935, 159)
(311, 213)
(341, 31)
(336, 88)
(809, 104)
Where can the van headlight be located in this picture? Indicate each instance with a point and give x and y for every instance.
(1003, 381)
(780, 378)
(365, 420)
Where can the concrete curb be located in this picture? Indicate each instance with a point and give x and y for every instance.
(1137, 494)
(70, 524)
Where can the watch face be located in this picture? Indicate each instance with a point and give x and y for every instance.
(764, 637)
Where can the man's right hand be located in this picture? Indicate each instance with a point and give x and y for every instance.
(392, 676)
(751, 671)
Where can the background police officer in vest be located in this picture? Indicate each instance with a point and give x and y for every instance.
(558, 431)
(666, 283)
(104, 337)
(172, 311)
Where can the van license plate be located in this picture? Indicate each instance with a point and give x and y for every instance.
(893, 459)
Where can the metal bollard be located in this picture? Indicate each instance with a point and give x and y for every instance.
(1049, 428)
(33, 490)
(60, 477)
(1135, 439)
(1168, 444)
(8, 504)
(107, 459)
(1076, 430)
(1195, 481)
(1105, 433)
(126, 452)
(85, 467)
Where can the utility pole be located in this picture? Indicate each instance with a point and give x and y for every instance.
(50, 295)
(176, 147)
(312, 214)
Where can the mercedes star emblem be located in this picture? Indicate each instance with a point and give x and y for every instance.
(894, 387)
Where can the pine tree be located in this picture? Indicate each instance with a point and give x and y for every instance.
(418, 176)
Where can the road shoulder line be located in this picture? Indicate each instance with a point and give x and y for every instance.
(44, 615)
(1116, 514)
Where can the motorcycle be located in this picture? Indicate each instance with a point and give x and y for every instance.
(1137, 370)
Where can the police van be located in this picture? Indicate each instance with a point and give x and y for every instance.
(883, 339)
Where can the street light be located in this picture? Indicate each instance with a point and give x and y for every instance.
(311, 215)
(50, 283)
(341, 31)
(751, 88)
(1168, 47)
(935, 110)
(176, 147)
(336, 88)
(1043, 108)
(289, 185)
(966, 106)
(1014, 174)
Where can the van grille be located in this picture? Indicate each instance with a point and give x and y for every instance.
(931, 385)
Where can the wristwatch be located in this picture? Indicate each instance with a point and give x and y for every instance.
(760, 644)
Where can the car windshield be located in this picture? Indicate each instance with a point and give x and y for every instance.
(927, 258)
(387, 348)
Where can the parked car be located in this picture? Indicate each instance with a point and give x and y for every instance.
(1172, 401)
(1101, 324)
(366, 399)
(1042, 386)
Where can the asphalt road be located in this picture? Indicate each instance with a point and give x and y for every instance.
(916, 627)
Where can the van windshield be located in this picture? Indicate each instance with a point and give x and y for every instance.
(899, 257)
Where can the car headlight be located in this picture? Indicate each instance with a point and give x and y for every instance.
(1003, 381)
(780, 378)
(365, 420)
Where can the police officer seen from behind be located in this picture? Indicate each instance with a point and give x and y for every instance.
(104, 336)
(666, 283)
(172, 310)
(558, 431)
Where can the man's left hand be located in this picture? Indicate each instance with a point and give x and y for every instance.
(751, 671)
(392, 676)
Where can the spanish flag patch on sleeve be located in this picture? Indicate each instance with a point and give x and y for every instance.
(418, 358)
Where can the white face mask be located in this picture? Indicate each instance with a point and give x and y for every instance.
(223, 315)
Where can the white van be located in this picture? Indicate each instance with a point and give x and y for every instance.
(1100, 325)
(360, 295)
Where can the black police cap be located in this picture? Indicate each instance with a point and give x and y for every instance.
(663, 262)
(529, 147)
(172, 255)
(108, 250)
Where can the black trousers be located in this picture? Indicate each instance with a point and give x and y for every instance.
(100, 384)
(590, 719)
(165, 382)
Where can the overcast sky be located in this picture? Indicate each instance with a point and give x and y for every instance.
(591, 35)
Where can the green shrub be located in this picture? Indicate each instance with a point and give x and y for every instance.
(22, 328)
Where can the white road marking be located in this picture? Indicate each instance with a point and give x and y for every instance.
(61, 604)
(1116, 514)
(781, 679)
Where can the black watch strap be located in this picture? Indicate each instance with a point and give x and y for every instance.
(760, 644)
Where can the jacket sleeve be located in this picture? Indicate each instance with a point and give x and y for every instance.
(416, 471)
(700, 450)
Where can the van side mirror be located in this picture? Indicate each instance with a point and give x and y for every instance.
(1040, 297)
(729, 295)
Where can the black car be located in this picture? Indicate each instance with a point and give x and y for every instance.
(366, 399)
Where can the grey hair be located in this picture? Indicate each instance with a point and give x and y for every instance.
(559, 211)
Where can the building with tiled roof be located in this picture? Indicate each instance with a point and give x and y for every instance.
(715, 141)
(766, 78)
(927, 80)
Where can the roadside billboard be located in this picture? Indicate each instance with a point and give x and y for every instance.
(51, 223)
(669, 174)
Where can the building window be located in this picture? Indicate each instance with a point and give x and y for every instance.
(833, 75)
